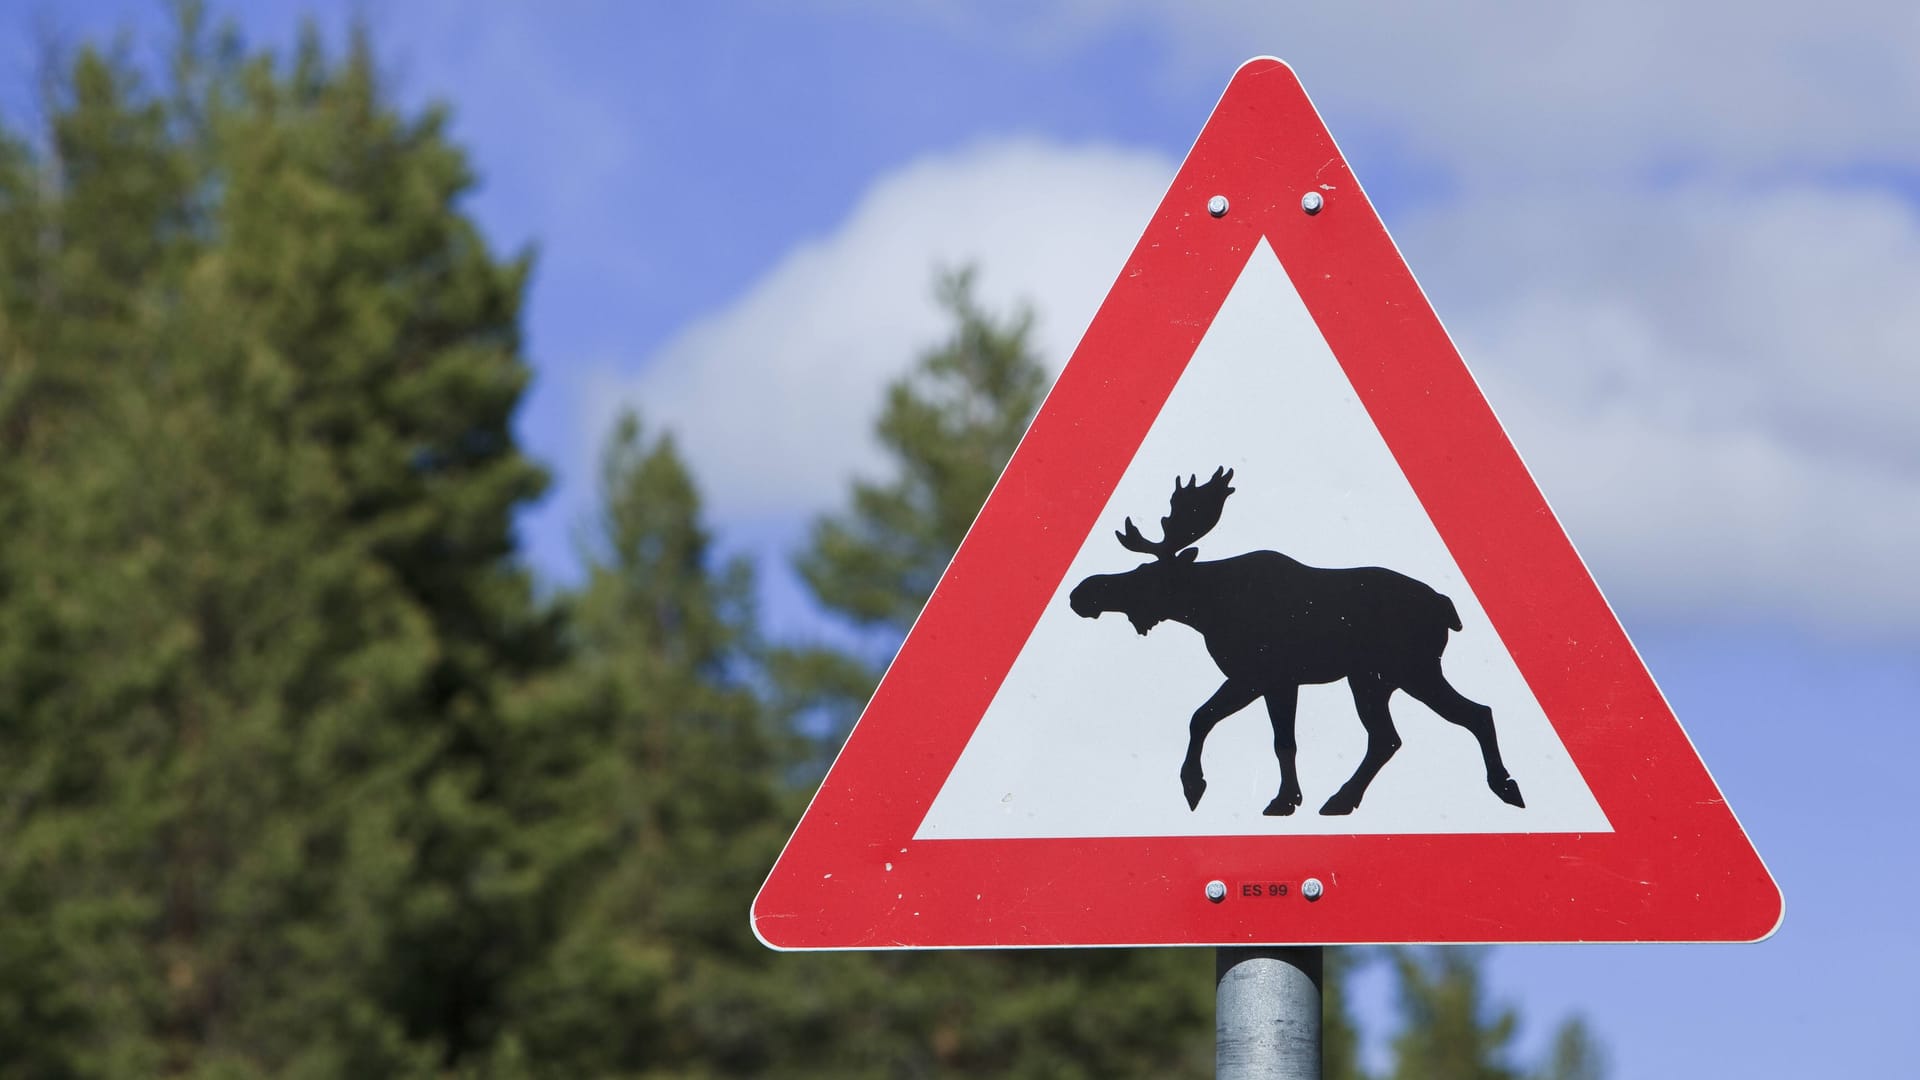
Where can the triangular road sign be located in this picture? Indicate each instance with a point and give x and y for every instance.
(1453, 742)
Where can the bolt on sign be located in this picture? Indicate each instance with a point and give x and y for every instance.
(1353, 686)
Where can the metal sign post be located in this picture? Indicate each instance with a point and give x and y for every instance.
(1267, 1013)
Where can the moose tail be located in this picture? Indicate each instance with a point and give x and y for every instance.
(1452, 613)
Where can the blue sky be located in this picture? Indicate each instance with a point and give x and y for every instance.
(1681, 251)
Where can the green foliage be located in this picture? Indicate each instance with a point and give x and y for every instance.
(1448, 1030)
(1574, 1055)
(949, 427)
(648, 803)
(257, 487)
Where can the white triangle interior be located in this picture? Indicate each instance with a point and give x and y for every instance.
(1086, 734)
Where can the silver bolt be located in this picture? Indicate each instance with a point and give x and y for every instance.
(1216, 891)
(1312, 889)
(1217, 206)
(1311, 202)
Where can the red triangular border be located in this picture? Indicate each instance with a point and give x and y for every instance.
(1677, 866)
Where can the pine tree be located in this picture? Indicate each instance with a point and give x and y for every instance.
(649, 802)
(1449, 1031)
(1574, 1055)
(259, 610)
(949, 427)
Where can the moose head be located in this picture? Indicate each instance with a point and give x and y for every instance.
(1151, 593)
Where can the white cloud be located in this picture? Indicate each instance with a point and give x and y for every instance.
(1714, 391)
(774, 397)
(1790, 311)
(1722, 523)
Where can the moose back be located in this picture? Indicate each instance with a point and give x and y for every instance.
(1273, 624)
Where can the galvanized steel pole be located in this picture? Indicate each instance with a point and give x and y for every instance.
(1266, 1023)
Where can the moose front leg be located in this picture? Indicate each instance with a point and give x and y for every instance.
(1282, 704)
(1229, 699)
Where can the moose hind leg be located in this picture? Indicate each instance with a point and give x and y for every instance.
(1370, 694)
(1281, 706)
(1432, 690)
(1229, 699)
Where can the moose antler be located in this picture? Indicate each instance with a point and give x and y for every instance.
(1193, 510)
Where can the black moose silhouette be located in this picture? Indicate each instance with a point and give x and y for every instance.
(1273, 624)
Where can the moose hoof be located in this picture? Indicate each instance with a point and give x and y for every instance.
(1508, 791)
(1339, 806)
(1194, 786)
(1281, 806)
